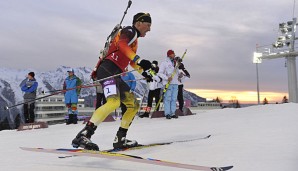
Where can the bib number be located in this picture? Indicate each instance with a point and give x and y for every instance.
(109, 87)
(114, 56)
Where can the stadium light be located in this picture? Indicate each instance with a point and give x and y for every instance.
(285, 43)
(256, 58)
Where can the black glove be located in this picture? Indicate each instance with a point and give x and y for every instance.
(178, 59)
(145, 64)
(147, 76)
(186, 72)
(181, 66)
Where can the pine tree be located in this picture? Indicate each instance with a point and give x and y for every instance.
(265, 101)
(234, 102)
(237, 105)
(218, 100)
(285, 100)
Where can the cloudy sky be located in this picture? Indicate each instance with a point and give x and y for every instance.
(220, 36)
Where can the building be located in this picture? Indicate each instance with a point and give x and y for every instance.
(53, 110)
(208, 105)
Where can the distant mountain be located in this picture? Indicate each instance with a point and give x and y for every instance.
(11, 94)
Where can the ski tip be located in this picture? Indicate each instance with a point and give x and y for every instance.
(221, 168)
(226, 168)
(208, 136)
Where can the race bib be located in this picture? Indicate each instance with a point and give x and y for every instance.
(109, 87)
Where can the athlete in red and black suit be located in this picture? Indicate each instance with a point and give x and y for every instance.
(122, 52)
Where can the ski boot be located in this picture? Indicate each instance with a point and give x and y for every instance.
(121, 142)
(144, 115)
(83, 138)
(75, 119)
(70, 119)
(174, 116)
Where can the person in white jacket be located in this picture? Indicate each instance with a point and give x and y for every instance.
(154, 91)
(166, 69)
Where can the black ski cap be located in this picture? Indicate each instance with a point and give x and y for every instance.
(142, 17)
(155, 62)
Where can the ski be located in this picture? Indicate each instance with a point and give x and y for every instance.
(142, 146)
(126, 157)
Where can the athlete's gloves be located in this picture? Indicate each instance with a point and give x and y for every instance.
(147, 76)
(145, 64)
(150, 77)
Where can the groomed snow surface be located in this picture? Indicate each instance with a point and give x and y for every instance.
(256, 138)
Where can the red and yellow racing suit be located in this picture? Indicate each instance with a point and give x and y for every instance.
(122, 52)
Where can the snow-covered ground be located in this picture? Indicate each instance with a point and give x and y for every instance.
(256, 138)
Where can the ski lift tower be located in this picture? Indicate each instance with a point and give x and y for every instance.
(284, 47)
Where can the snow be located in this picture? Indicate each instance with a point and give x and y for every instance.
(256, 138)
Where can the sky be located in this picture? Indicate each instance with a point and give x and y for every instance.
(256, 138)
(220, 37)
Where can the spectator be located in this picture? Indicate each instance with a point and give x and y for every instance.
(71, 96)
(166, 70)
(154, 92)
(183, 74)
(29, 88)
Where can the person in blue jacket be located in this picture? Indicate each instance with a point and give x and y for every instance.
(71, 96)
(29, 87)
(130, 80)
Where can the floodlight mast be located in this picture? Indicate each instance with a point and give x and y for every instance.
(288, 38)
(257, 60)
(291, 66)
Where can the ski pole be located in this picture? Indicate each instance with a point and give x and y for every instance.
(89, 85)
(9, 107)
(62, 91)
(168, 83)
(135, 80)
(52, 91)
(141, 102)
